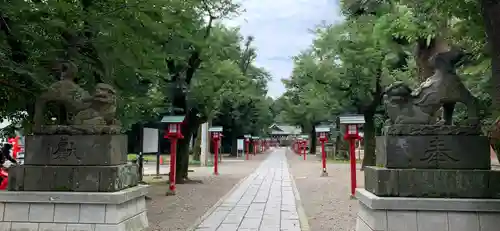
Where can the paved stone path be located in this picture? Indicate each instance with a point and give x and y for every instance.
(265, 201)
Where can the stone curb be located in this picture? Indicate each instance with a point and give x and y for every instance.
(217, 204)
(304, 221)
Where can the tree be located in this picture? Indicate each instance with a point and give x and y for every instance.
(244, 107)
(352, 63)
(151, 51)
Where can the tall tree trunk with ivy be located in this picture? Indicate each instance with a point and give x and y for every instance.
(491, 15)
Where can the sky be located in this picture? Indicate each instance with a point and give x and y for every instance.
(281, 30)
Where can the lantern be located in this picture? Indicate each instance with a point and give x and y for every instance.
(216, 135)
(173, 126)
(352, 125)
(173, 132)
(351, 133)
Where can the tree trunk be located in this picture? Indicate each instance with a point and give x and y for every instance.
(197, 145)
(369, 139)
(312, 142)
(234, 144)
(182, 164)
(423, 54)
(491, 15)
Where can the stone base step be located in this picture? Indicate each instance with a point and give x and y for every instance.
(73, 178)
(440, 183)
(41, 211)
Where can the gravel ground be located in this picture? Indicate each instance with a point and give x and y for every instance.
(193, 200)
(326, 200)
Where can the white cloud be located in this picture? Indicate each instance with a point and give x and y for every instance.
(281, 30)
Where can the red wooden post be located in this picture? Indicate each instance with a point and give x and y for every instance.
(216, 138)
(173, 159)
(323, 156)
(216, 157)
(352, 155)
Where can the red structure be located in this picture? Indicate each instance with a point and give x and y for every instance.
(4, 177)
(323, 138)
(173, 133)
(352, 134)
(216, 138)
(15, 146)
(304, 149)
(247, 146)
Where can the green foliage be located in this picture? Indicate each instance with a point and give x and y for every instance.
(126, 44)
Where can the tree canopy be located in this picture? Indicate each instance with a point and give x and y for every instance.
(349, 64)
(146, 49)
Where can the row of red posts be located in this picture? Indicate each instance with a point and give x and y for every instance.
(174, 133)
(299, 146)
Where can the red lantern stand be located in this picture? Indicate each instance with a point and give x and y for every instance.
(352, 134)
(323, 138)
(173, 133)
(215, 138)
(247, 147)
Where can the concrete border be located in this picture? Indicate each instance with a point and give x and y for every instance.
(74, 197)
(220, 201)
(427, 204)
(303, 219)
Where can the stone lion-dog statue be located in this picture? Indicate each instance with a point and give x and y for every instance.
(443, 89)
(91, 113)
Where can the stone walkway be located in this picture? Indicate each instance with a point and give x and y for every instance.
(265, 201)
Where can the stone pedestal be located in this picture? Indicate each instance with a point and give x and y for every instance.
(425, 214)
(448, 183)
(430, 178)
(74, 182)
(74, 163)
(433, 147)
(83, 211)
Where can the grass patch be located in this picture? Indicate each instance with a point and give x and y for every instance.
(133, 157)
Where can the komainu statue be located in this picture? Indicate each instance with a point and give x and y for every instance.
(443, 89)
(102, 108)
(65, 93)
(91, 114)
